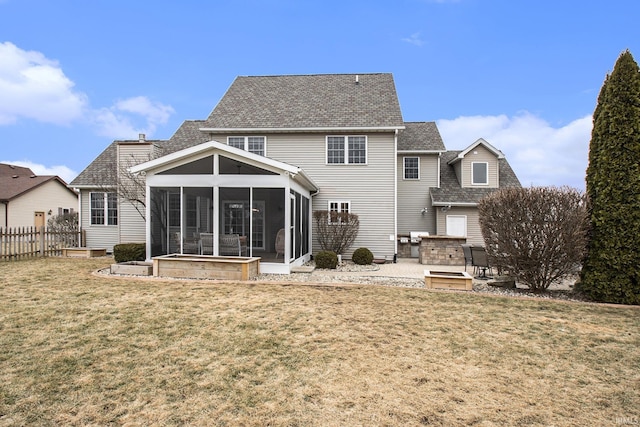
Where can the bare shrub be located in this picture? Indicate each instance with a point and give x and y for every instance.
(336, 231)
(65, 228)
(537, 234)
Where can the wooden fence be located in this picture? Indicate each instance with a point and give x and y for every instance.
(29, 242)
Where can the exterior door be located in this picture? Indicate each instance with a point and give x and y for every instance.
(39, 219)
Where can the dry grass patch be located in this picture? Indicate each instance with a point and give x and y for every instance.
(77, 349)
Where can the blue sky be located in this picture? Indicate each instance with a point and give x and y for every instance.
(524, 75)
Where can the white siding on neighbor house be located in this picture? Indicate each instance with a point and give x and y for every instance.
(98, 236)
(480, 154)
(474, 235)
(369, 188)
(49, 196)
(413, 195)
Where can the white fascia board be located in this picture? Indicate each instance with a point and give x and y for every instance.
(459, 204)
(309, 129)
(480, 141)
(152, 164)
(213, 145)
(421, 151)
(93, 187)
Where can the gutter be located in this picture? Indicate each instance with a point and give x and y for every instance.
(309, 129)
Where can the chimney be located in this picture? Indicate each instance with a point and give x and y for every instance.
(141, 137)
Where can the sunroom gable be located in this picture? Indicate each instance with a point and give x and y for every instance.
(200, 159)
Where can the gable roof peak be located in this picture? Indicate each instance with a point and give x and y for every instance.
(479, 141)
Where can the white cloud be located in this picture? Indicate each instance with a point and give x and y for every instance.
(539, 153)
(118, 120)
(414, 39)
(62, 171)
(34, 87)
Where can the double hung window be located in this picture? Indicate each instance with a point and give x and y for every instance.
(337, 209)
(349, 150)
(252, 144)
(104, 208)
(411, 168)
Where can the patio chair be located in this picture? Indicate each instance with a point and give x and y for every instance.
(280, 242)
(206, 243)
(480, 260)
(191, 245)
(230, 245)
(466, 250)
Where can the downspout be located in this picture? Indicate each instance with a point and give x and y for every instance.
(79, 215)
(395, 196)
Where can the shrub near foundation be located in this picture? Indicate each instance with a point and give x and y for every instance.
(126, 252)
(326, 259)
(362, 256)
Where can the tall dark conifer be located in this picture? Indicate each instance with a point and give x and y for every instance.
(611, 271)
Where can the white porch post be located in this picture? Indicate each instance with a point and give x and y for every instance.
(216, 219)
(147, 221)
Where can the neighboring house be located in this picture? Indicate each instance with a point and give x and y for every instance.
(28, 200)
(275, 149)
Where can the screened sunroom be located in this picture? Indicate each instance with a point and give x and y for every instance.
(217, 200)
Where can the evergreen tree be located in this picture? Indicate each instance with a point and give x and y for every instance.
(611, 269)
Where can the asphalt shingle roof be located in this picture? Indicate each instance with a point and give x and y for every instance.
(450, 191)
(420, 136)
(17, 180)
(308, 101)
(102, 171)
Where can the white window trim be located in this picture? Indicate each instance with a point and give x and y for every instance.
(246, 141)
(404, 168)
(105, 195)
(473, 174)
(339, 203)
(346, 150)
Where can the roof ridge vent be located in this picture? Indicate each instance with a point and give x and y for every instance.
(14, 176)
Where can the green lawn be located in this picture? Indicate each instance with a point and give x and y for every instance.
(76, 349)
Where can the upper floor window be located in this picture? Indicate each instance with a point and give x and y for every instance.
(252, 144)
(346, 149)
(104, 208)
(479, 173)
(411, 168)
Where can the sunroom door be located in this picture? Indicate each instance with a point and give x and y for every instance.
(236, 220)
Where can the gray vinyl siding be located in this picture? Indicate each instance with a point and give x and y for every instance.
(474, 235)
(413, 195)
(98, 236)
(369, 188)
(480, 154)
(130, 223)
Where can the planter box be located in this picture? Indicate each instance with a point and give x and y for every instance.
(448, 280)
(206, 267)
(84, 252)
(137, 268)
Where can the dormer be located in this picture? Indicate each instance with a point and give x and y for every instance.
(477, 165)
